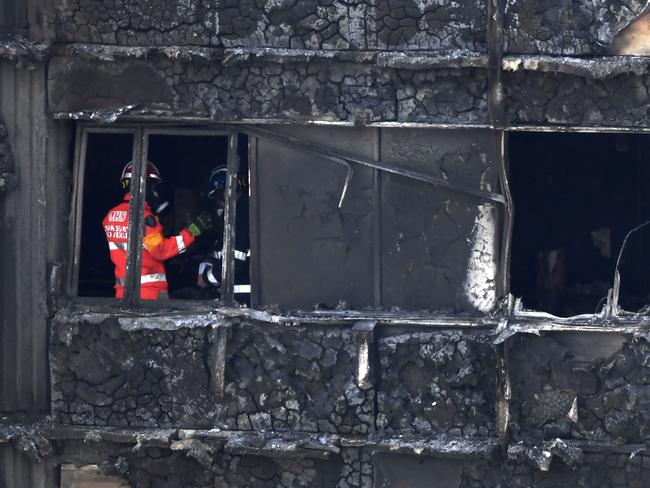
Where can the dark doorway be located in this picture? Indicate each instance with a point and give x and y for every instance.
(576, 197)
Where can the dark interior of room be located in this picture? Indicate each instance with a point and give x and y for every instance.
(576, 197)
(185, 162)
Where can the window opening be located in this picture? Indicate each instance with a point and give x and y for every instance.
(179, 177)
(576, 197)
(194, 171)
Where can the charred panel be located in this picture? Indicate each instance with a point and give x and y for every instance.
(402, 471)
(275, 378)
(312, 24)
(105, 375)
(598, 470)
(581, 386)
(566, 26)
(437, 383)
(433, 26)
(442, 96)
(250, 23)
(438, 246)
(310, 250)
(537, 98)
(297, 379)
(319, 89)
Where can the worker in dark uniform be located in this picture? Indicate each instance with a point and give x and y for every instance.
(209, 271)
(156, 247)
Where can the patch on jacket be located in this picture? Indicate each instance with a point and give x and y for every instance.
(150, 221)
(152, 241)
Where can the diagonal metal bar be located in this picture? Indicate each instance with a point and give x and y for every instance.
(341, 157)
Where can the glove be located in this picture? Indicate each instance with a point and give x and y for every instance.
(200, 224)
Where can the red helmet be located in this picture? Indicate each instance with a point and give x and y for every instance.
(152, 172)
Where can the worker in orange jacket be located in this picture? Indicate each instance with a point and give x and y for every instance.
(156, 247)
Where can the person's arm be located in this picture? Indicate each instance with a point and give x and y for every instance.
(163, 248)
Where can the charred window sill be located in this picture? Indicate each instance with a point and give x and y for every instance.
(271, 444)
(596, 68)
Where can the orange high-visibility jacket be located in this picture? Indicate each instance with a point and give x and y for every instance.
(155, 249)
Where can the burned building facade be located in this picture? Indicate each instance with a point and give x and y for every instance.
(437, 199)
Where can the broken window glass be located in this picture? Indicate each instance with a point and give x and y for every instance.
(180, 233)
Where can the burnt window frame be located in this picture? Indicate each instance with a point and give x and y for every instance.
(610, 307)
(140, 148)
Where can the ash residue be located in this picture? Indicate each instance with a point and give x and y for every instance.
(442, 382)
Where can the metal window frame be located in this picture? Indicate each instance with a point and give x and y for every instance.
(141, 133)
(78, 182)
